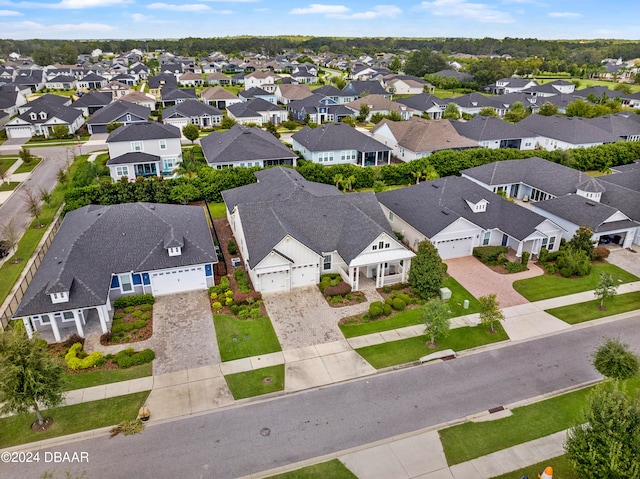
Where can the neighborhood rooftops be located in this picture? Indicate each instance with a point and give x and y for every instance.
(149, 130)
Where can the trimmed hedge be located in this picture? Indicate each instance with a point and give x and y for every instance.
(77, 359)
(340, 289)
(489, 254)
(128, 357)
(242, 280)
(120, 326)
(134, 300)
(375, 309)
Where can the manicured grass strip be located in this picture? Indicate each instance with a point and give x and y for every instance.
(12, 185)
(5, 163)
(333, 469)
(244, 338)
(27, 167)
(545, 286)
(254, 383)
(95, 378)
(562, 469)
(218, 210)
(474, 439)
(590, 310)
(71, 419)
(411, 349)
(458, 295)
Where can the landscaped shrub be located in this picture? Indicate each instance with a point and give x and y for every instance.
(134, 300)
(220, 288)
(375, 309)
(525, 258)
(73, 339)
(551, 268)
(76, 358)
(129, 309)
(145, 307)
(327, 280)
(515, 267)
(340, 289)
(386, 309)
(232, 246)
(242, 280)
(601, 252)
(128, 357)
(489, 254)
(216, 306)
(398, 304)
(120, 326)
(573, 262)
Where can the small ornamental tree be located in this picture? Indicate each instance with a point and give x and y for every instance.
(614, 359)
(29, 376)
(435, 316)
(487, 111)
(582, 240)
(25, 155)
(272, 128)
(451, 112)
(191, 132)
(34, 205)
(363, 113)
(605, 289)
(490, 311)
(427, 273)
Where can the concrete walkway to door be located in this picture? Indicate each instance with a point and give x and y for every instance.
(480, 280)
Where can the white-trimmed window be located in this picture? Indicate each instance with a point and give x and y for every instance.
(128, 117)
(486, 237)
(45, 319)
(390, 215)
(136, 146)
(552, 242)
(126, 285)
(122, 171)
(169, 164)
(163, 144)
(67, 317)
(326, 262)
(176, 251)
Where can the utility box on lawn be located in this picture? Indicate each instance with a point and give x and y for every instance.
(445, 294)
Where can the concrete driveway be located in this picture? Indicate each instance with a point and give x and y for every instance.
(626, 260)
(479, 280)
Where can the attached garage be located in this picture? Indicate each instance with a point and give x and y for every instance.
(455, 248)
(304, 275)
(19, 132)
(177, 280)
(273, 282)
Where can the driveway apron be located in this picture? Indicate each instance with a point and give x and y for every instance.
(626, 260)
(183, 329)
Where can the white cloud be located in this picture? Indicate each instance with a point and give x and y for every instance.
(77, 4)
(192, 7)
(317, 8)
(522, 2)
(564, 14)
(479, 12)
(379, 11)
(29, 29)
(231, 1)
(9, 13)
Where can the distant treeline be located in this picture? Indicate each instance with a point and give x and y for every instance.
(559, 50)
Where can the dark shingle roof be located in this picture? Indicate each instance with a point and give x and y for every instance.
(251, 108)
(431, 206)
(93, 98)
(362, 87)
(618, 124)
(94, 242)
(188, 109)
(243, 144)
(337, 136)
(116, 110)
(178, 94)
(150, 130)
(483, 128)
(133, 157)
(572, 130)
(423, 102)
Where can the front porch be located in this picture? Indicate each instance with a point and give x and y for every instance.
(55, 327)
(386, 271)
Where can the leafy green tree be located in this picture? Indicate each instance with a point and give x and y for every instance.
(615, 360)
(184, 193)
(427, 272)
(191, 132)
(573, 262)
(338, 179)
(623, 88)
(607, 444)
(25, 155)
(516, 113)
(421, 62)
(68, 54)
(451, 112)
(29, 376)
(338, 82)
(273, 129)
(363, 113)
(490, 311)
(45, 195)
(605, 289)
(34, 206)
(59, 132)
(395, 65)
(227, 122)
(548, 109)
(435, 316)
(114, 125)
(582, 240)
(487, 111)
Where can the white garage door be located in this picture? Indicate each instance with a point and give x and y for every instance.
(176, 280)
(272, 282)
(303, 275)
(19, 132)
(455, 248)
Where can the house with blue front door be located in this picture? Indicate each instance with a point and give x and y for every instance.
(101, 253)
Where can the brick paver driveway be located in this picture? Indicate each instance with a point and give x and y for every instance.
(626, 260)
(183, 332)
(480, 280)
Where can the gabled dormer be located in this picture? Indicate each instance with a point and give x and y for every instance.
(173, 243)
(476, 203)
(59, 291)
(43, 115)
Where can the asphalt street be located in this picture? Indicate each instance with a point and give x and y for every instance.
(268, 433)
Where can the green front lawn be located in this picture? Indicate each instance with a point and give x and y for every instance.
(12, 185)
(562, 469)
(71, 419)
(88, 379)
(333, 469)
(546, 286)
(254, 383)
(408, 350)
(218, 210)
(5, 163)
(412, 317)
(470, 440)
(587, 311)
(239, 338)
(28, 167)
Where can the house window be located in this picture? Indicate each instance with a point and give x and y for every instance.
(45, 319)
(126, 286)
(326, 262)
(33, 116)
(485, 239)
(136, 146)
(387, 245)
(390, 215)
(169, 164)
(43, 115)
(122, 171)
(128, 117)
(552, 242)
(381, 244)
(67, 317)
(374, 247)
(163, 144)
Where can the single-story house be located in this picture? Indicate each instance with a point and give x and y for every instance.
(91, 102)
(101, 253)
(218, 97)
(143, 99)
(245, 147)
(117, 89)
(286, 93)
(559, 132)
(290, 231)
(61, 82)
(92, 82)
(379, 104)
(256, 111)
(42, 115)
(117, 112)
(175, 96)
(195, 112)
(424, 104)
(456, 215)
(338, 143)
(257, 92)
(492, 132)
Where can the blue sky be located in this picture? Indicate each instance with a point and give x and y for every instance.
(544, 19)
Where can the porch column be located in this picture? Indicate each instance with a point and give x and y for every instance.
(76, 318)
(27, 325)
(406, 266)
(379, 274)
(102, 316)
(54, 327)
(355, 278)
(520, 247)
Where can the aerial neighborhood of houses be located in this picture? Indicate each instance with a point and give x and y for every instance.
(290, 230)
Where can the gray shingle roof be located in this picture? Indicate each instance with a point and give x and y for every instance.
(150, 130)
(93, 98)
(423, 102)
(337, 136)
(571, 130)
(133, 157)
(117, 109)
(178, 94)
(251, 108)
(618, 124)
(243, 144)
(191, 108)
(484, 128)
(431, 206)
(94, 242)
(283, 203)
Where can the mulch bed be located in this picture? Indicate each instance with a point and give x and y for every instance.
(345, 302)
(37, 427)
(136, 335)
